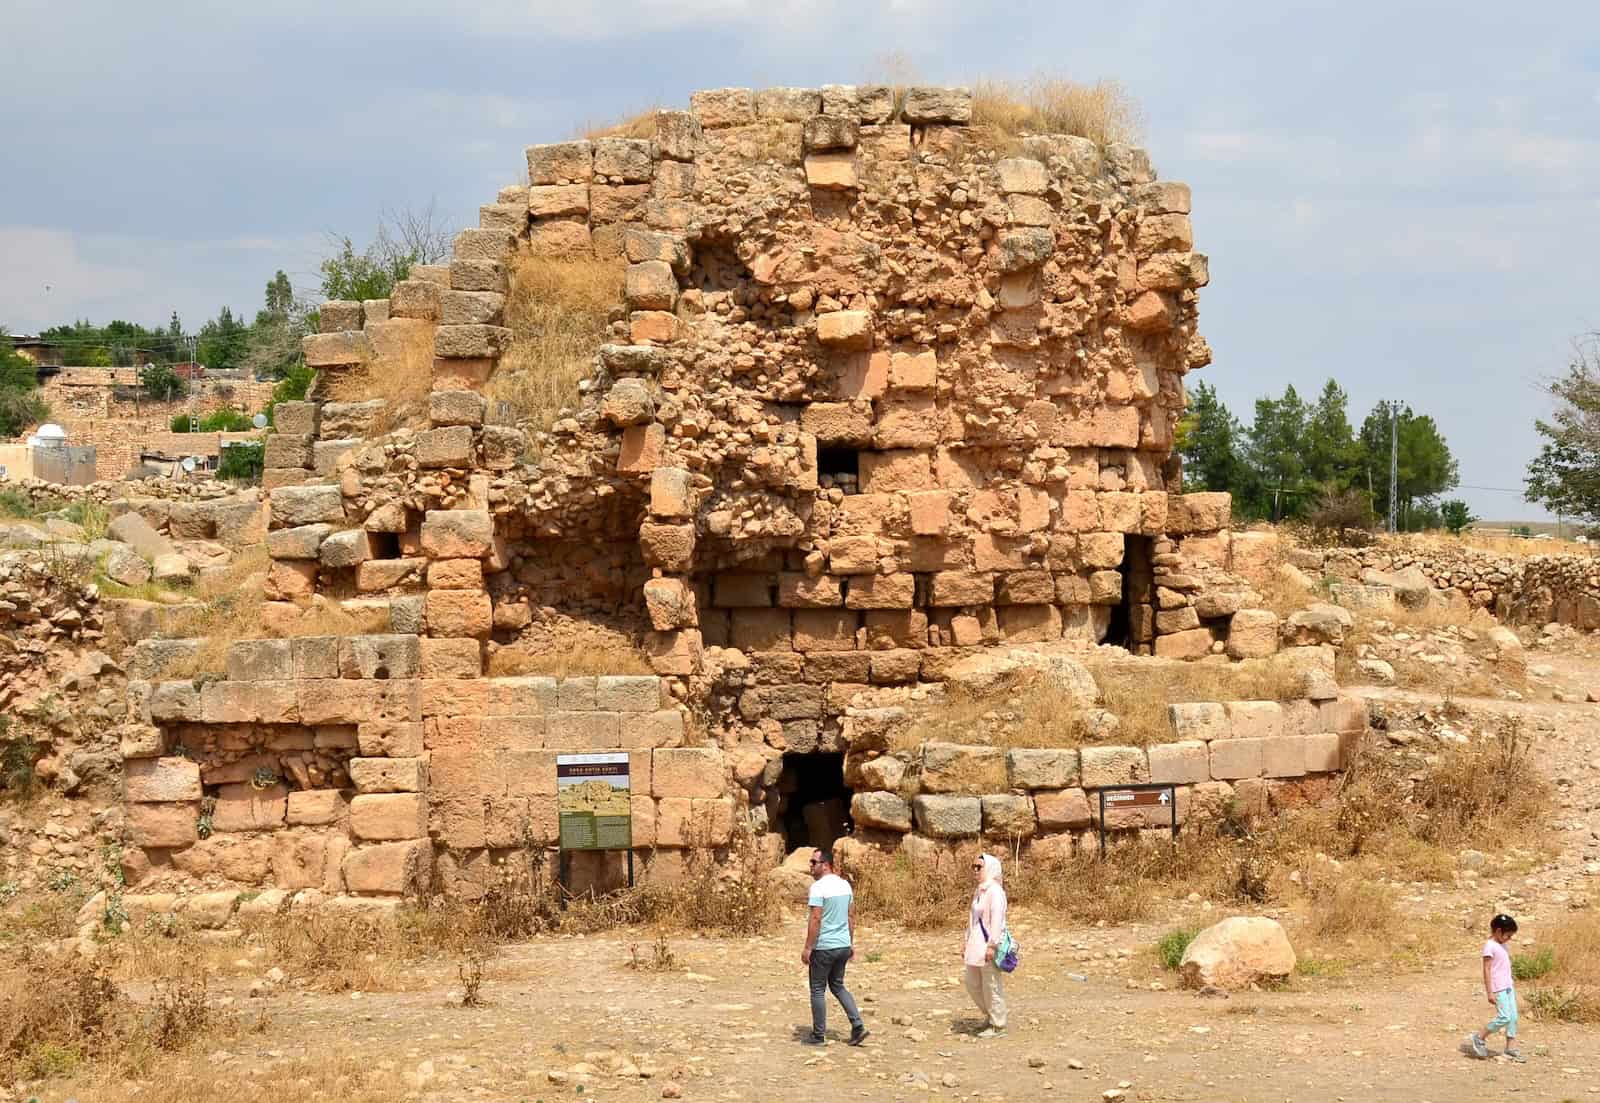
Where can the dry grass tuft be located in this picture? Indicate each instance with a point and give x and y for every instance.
(557, 311)
(1103, 112)
(571, 649)
(230, 610)
(1135, 691)
(401, 374)
(642, 125)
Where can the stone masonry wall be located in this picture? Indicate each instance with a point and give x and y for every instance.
(382, 765)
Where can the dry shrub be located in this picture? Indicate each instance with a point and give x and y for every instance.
(401, 373)
(338, 951)
(1139, 691)
(1342, 517)
(642, 125)
(1351, 905)
(570, 649)
(557, 310)
(733, 898)
(1570, 990)
(59, 1011)
(1486, 791)
(1103, 112)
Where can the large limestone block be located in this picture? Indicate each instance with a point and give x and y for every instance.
(1232, 759)
(961, 768)
(560, 163)
(1008, 815)
(948, 817)
(845, 329)
(385, 816)
(390, 868)
(1042, 768)
(458, 613)
(1318, 623)
(1198, 720)
(294, 506)
(883, 810)
(1237, 953)
(132, 529)
(326, 350)
(457, 533)
(724, 107)
(1062, 810)
(389, 775)
(1183, 763)
(1107, 767)
(163, 825)
(1252, 633)
(687, 772)
(924, 105)
(260, 660)
(152, 780)
(1022, 175)
(1254, 720)
(1191, 644)
(623, 159)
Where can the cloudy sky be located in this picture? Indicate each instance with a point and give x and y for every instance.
(1402, 195)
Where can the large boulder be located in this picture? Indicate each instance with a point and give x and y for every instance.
(1411, 587)
(1318, 623)
(792, 879)
(1237, 953)
(133, 530)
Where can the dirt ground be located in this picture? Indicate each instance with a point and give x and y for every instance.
(568, 1017)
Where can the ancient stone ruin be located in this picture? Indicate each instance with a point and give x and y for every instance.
(881, 399)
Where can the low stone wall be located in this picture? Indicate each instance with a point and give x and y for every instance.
(351, 764)
(1261, 755)
(1528, 590)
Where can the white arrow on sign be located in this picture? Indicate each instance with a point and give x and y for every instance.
(1165, 797)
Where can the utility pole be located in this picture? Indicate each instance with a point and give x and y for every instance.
(1394, 461)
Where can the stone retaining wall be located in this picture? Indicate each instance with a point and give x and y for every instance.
(1259, 754)
(348, 764)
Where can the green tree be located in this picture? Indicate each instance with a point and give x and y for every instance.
(1565, 476)
(1425, 466)
(403, 239)
(242, 460)
(222, 341)
(273, 347)
(1456, 515)
(20, 404)
(1277, 438)
(161, 382)
(1332, 456)
(1208, 441)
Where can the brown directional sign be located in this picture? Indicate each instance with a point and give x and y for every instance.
(1135, 798)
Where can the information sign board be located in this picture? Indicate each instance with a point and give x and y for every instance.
(594, 800)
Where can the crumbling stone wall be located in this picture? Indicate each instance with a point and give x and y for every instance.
(878, 396)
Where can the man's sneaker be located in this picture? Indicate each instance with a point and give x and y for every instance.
(814, 1039)
(1478, 1048)
(858, 1035)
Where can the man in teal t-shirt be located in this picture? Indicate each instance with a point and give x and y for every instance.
(829, 937)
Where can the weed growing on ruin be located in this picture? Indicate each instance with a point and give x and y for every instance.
(470, 973)
(661, 959)
(92, 517)
(401, 375)
(1103, 112)
(571, 650)
(557, 310)
(1171, 946)
(640, 125)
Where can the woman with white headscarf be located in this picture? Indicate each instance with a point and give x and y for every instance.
(985, 925)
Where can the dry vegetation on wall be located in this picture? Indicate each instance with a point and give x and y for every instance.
(403, 378)
(570, 648)
(1103, 112)
(557, 311)
(1134, 711)
(641, 125)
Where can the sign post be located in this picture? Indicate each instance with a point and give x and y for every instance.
(1138, 796)
(594, 799)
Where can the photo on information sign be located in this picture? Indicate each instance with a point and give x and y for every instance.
(595, 801)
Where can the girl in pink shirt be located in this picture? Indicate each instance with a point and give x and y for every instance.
(1497, 985)
(985, 924)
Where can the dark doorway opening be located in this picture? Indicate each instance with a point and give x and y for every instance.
(813, 800)
(835, 462)
(1133, 619)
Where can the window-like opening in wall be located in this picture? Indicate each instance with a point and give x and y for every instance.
(811, 803)
(840, 467)
(1133, 617)
(383, 545)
